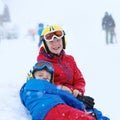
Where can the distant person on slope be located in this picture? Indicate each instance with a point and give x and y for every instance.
(108, 25)
(40, 29)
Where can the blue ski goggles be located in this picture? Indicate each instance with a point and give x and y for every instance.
(43, 65)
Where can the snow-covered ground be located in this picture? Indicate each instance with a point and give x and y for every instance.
(99, 63)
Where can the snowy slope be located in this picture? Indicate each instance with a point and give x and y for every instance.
(99, 64)
(85, 41)
(17, 58)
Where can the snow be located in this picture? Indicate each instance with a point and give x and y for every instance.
(81, 20)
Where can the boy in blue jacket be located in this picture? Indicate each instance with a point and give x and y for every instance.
(45, 101)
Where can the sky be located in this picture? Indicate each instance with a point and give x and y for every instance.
(85, 39)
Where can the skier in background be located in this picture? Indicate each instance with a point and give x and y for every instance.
(108, 25)
(40, 29)
(5, 16)
(32, 33)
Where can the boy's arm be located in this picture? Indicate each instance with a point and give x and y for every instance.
(66, 96)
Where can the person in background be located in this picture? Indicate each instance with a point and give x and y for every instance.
(40, 29)
(67, 75)
(45, 101)
(108, 25)
(32, 33)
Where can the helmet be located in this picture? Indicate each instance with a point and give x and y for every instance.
(42, 64)
(49, 29)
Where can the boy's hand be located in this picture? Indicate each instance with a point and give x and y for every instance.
(66, 89)
(76, 92)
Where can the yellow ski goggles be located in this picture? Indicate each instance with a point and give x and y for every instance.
(50, 35)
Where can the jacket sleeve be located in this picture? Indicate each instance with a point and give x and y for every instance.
(68, 98)
(71, 100)
(78, 79)
(48, 88)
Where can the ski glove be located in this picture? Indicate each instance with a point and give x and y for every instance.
(87, 100)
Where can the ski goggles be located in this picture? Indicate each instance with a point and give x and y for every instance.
(44, 65)
(57, 34)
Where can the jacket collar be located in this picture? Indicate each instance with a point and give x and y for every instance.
(51, 55)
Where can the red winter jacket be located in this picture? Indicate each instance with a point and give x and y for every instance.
(66, 71)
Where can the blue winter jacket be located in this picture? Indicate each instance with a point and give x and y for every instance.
(40, 96)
